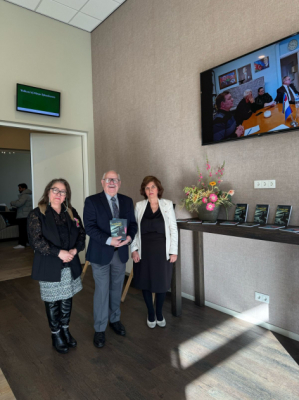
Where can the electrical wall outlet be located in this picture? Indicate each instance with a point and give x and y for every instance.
(265, 184)
(264, 298)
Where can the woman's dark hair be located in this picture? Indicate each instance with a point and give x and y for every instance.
(156, 181)
(45, 197)
(23, 185)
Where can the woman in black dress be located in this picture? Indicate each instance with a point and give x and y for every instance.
(56, 234)
(154, 248)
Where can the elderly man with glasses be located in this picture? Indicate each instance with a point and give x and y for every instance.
(108, 255)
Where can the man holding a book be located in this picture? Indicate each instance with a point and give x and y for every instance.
(107, 253)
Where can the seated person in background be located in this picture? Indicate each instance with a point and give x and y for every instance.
(263, 99)
(245, 108)
(288, 88)
(224, 123)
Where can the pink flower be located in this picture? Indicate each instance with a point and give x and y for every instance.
(213, 197)
(210, 173)
(205, 200)
(231, 192)
(208, 166)
(210, 206)
(219, 181)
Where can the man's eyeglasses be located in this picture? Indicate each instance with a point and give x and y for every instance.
(57, 191)
(111, 180)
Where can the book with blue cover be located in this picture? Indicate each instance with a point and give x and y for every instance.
(271, 227)
(283, 215)
(260, 216)
(282, 218)
(292, 230)
(118, 227)
(239, 216)
(241, 213)
(248, 225)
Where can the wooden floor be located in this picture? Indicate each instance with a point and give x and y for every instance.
(14, 263)
(202, 355)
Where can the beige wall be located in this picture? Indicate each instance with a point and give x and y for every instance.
(147, 58)
(14, 138)
(42, 52)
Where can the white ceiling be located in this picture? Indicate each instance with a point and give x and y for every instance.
(83, 14)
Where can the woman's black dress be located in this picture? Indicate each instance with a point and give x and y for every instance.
(154, 271)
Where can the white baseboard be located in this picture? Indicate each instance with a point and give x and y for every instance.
(188, 296)
(246, 318)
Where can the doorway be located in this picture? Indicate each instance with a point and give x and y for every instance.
(15, 183)
(289, 67)
(70, 146)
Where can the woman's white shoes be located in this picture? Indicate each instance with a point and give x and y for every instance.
(151, 324)
(162, 323)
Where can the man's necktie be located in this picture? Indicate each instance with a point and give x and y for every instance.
(291, 96)
(115, 208)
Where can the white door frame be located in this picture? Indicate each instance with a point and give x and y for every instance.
(48, 129)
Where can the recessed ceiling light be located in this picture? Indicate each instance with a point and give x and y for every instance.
(262, 56)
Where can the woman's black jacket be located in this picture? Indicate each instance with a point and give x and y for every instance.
(44, 239)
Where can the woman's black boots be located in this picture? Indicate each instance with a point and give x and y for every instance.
(65, 314)
(59, 314)
(53, 314)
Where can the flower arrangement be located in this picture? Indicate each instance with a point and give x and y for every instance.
(207, 192)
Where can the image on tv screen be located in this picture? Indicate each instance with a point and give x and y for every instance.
(38, 101)
(252, 95)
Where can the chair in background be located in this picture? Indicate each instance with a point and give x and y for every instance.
(8, 232)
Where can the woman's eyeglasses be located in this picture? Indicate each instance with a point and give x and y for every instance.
(57, 191)
(151, 188)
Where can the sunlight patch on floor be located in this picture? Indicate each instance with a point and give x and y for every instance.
(200, 346)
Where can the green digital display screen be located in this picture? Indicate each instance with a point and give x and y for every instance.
(38, 101)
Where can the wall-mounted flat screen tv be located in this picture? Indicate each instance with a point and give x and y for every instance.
(252, 95)
(38, 101)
